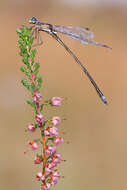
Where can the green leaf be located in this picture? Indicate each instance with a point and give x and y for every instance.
(19, 31)
(25, 83)
(39, 80)
(41, 107)
(50, 138)
(37, 66)
(20, 42)
(36, 125)
(32, 87)
(47, 102)
(36, 70)
(31, 41)
(33, 53)
(24, 70)
(25, 58)
(26, 30)
(36, 73)
(31, 103)
(23, 51)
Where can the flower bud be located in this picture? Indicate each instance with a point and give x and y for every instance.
(47, 131)
(58, 140)
(49, 167)
(30, 60)
(36, 97)
(31, 128)
(56, 101)
(39, 118)
(56, 158)
(40, 177)
(56, 120)
(37, 160)
(50, 150)
(54, 178)
(46, 186)
(33, 145)
(33, 76)
(53, 131)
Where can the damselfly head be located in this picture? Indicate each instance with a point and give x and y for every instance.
(33, 20)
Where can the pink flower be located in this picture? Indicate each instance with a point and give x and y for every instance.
(33, 145)
(46, 131)
(40, 177)
(50, 150)
(53, 131)
(56, 120)
(31, 128)
(48, 170)
(49, 167)
(49, 131)
(58, 140)
(37, 160)
(56, 101)
(56, 158)
(39, 118)
(46, 186)
(54, 178)
(36, 97)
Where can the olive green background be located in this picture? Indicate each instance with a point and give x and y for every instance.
(97, 153)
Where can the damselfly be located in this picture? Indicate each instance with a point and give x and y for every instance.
(78, 33)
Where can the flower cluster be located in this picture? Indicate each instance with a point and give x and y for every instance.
(49, 158)
(50, 138)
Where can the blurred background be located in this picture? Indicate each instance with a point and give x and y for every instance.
(97, 153)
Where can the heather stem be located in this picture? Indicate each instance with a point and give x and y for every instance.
(44, 154)
(48, 127)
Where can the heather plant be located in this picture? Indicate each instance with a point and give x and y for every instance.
(49, 158)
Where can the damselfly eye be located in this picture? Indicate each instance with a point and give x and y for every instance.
(33, 20)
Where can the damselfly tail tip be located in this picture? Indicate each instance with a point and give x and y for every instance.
(103, 98)
(106, 46)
